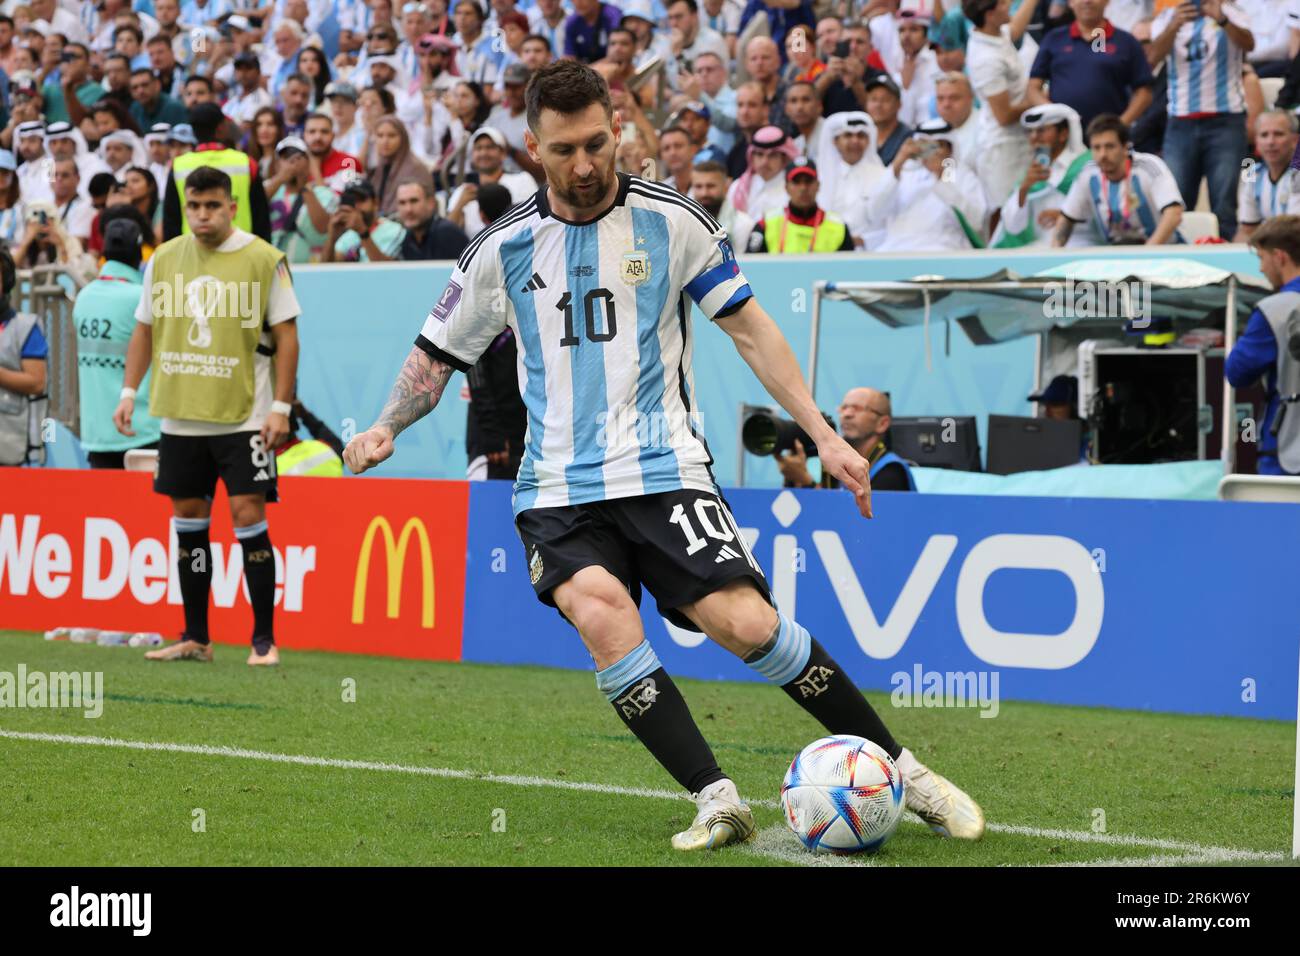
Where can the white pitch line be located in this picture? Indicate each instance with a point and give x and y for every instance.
(778, 843)
(1161, 859)
(308, 761)
(1073, 836)
(1120, 839)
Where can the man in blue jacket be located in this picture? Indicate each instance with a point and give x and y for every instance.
(1270, 346)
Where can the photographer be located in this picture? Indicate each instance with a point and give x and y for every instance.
(865, 415)
(357, 233)
(300, 203)
(45, 242)
(1269, 349)
(24, 357)
(930, 200)
(1031, 212)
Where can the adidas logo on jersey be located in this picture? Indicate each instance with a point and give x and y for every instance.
(261, 475)
(535, 284)
(725, 553)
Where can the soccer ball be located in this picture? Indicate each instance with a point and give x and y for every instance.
(842, 794)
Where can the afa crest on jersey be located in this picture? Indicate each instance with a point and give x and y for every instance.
(635, 268)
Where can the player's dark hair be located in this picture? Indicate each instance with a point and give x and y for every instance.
(690, 5)
(200, 78)
(129, 28)
(977, 10)
(565, 87)
(1108, 123)
(1280, 232)
(159, 40)
(675, 129)
(624, 30)
(207, 178)
(147, 71)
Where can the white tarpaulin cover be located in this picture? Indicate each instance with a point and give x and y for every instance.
(1005, 305)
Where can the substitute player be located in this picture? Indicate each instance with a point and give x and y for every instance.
(595, 274)
(217, 323)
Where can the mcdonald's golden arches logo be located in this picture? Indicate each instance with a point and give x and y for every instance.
(395, 563)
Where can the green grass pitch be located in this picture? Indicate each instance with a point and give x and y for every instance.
(441, 748)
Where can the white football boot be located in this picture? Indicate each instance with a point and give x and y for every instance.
(944, 807)
(721, 819)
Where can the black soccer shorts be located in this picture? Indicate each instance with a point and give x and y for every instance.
(189, 465)
(681, 545)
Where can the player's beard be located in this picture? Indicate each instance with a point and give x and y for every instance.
(587, 199)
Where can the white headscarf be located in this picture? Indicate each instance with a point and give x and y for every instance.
(843, 186)
(1050, 114)
(139, 155)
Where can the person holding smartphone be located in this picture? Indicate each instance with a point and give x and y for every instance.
(1032, 211)
(1204, 46)
(930, 201)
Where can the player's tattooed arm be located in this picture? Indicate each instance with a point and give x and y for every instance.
(416, 392)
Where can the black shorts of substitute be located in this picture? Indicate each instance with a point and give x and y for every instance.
(189, 465)
(681, 545)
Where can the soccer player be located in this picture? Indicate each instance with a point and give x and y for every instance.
(216, 297)
(593, 275)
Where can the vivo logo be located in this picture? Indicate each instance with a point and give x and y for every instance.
(882, 635)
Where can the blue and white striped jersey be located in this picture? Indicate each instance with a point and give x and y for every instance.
(1204, 66)
(1126, 210)
(1259, 197)
(601, 313)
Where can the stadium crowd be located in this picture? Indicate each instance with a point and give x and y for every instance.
(380, 131)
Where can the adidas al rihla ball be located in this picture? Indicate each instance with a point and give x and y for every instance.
(842, 794)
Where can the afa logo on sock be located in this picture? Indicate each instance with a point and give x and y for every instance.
(639, 699)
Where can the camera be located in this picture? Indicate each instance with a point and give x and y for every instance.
(764, 433)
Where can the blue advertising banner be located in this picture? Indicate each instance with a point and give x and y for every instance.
(1150, 605)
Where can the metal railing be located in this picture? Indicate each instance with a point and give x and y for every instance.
(50, 291)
